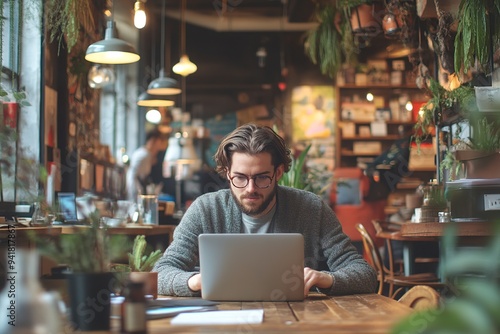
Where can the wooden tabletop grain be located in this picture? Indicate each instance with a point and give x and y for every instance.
(370, 313)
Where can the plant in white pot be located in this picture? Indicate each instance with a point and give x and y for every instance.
(87, 251)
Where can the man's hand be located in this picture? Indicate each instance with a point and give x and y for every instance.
(194, 282)
(316, 278)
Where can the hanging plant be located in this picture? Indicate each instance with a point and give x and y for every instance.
(479, 19)
(65, 18)
(322, 43)
(332, 43)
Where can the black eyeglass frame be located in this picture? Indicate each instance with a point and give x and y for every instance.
(254, 180)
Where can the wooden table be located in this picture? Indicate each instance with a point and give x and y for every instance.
(468, 233)
(371, 313)
(159, 236)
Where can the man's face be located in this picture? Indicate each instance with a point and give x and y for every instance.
(252, 200)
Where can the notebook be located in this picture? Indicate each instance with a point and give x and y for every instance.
(252, 267)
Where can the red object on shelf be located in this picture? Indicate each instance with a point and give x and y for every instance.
(10, 114)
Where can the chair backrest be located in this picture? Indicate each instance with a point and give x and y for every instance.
(379, 228)
(421, 297)
(373, 255)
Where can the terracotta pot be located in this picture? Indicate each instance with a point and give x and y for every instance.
(150, 280)
(10, 114)
(362, 20)
(479, 164)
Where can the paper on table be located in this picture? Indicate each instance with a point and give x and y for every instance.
(233, 317)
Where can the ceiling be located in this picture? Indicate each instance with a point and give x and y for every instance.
(222, 38)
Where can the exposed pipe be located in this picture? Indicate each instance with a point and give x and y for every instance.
(228, 23)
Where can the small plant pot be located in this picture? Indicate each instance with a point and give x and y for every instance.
(10, 114)
(150, 280)
(90, 300)
(480, 164)
(363, 21)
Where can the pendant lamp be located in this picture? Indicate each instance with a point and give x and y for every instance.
(154, 100)
(139, 14)
(184, 67)
(111, 50)
(163, 84)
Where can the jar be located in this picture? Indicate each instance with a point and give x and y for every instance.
(133, 315)
(444, 217)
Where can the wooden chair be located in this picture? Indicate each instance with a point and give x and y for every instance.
(421, 297)
(387, 276)
(383, 226)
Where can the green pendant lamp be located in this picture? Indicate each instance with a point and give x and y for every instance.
(111, 50)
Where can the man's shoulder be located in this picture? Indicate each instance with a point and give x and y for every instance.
(300, 194)
(215, 196)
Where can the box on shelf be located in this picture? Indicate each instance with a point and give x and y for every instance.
(422, 158)
(348, 129)
(363, 147)
(378, 128)
(358, 111)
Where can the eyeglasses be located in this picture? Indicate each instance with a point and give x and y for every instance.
(260, 181)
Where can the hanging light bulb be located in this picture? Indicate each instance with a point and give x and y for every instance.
(261, 56)
(184, 67)
(100, 76)
(139, 14)
(153, 116)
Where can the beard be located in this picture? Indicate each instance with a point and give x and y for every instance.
(250, 209)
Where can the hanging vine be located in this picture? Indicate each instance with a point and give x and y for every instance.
(65, 18)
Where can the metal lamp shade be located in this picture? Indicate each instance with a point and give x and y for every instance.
(151, 100)
(111, 50)
(164, 85)
(180, 159)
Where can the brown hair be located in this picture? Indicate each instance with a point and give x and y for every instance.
(252, 139)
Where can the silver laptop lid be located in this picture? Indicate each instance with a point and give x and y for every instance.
(252, 267)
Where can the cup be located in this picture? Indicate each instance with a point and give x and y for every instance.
(148, 207)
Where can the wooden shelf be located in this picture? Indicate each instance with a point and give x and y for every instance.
(373, 138)
(353, 154)
(375, 86)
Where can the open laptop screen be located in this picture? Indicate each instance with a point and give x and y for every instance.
(252, 267)
(67, 206)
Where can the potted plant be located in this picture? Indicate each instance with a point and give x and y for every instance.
(140, 265)
(482, 157)
(444, 107)
(87, 251)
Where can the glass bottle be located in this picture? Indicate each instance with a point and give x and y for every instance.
(24, 306)
(133, 317)
(38, 218)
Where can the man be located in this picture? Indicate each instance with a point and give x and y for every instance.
(253, 159)
(142, 161)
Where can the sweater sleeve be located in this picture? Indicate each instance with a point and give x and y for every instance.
(178, 262)
(352, 274)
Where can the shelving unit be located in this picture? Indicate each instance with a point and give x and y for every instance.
(357, 142)
(356, 118)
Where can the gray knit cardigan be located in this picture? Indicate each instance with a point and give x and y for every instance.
(326, 247)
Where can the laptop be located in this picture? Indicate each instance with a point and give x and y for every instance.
(67, 207)
(252, 267)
